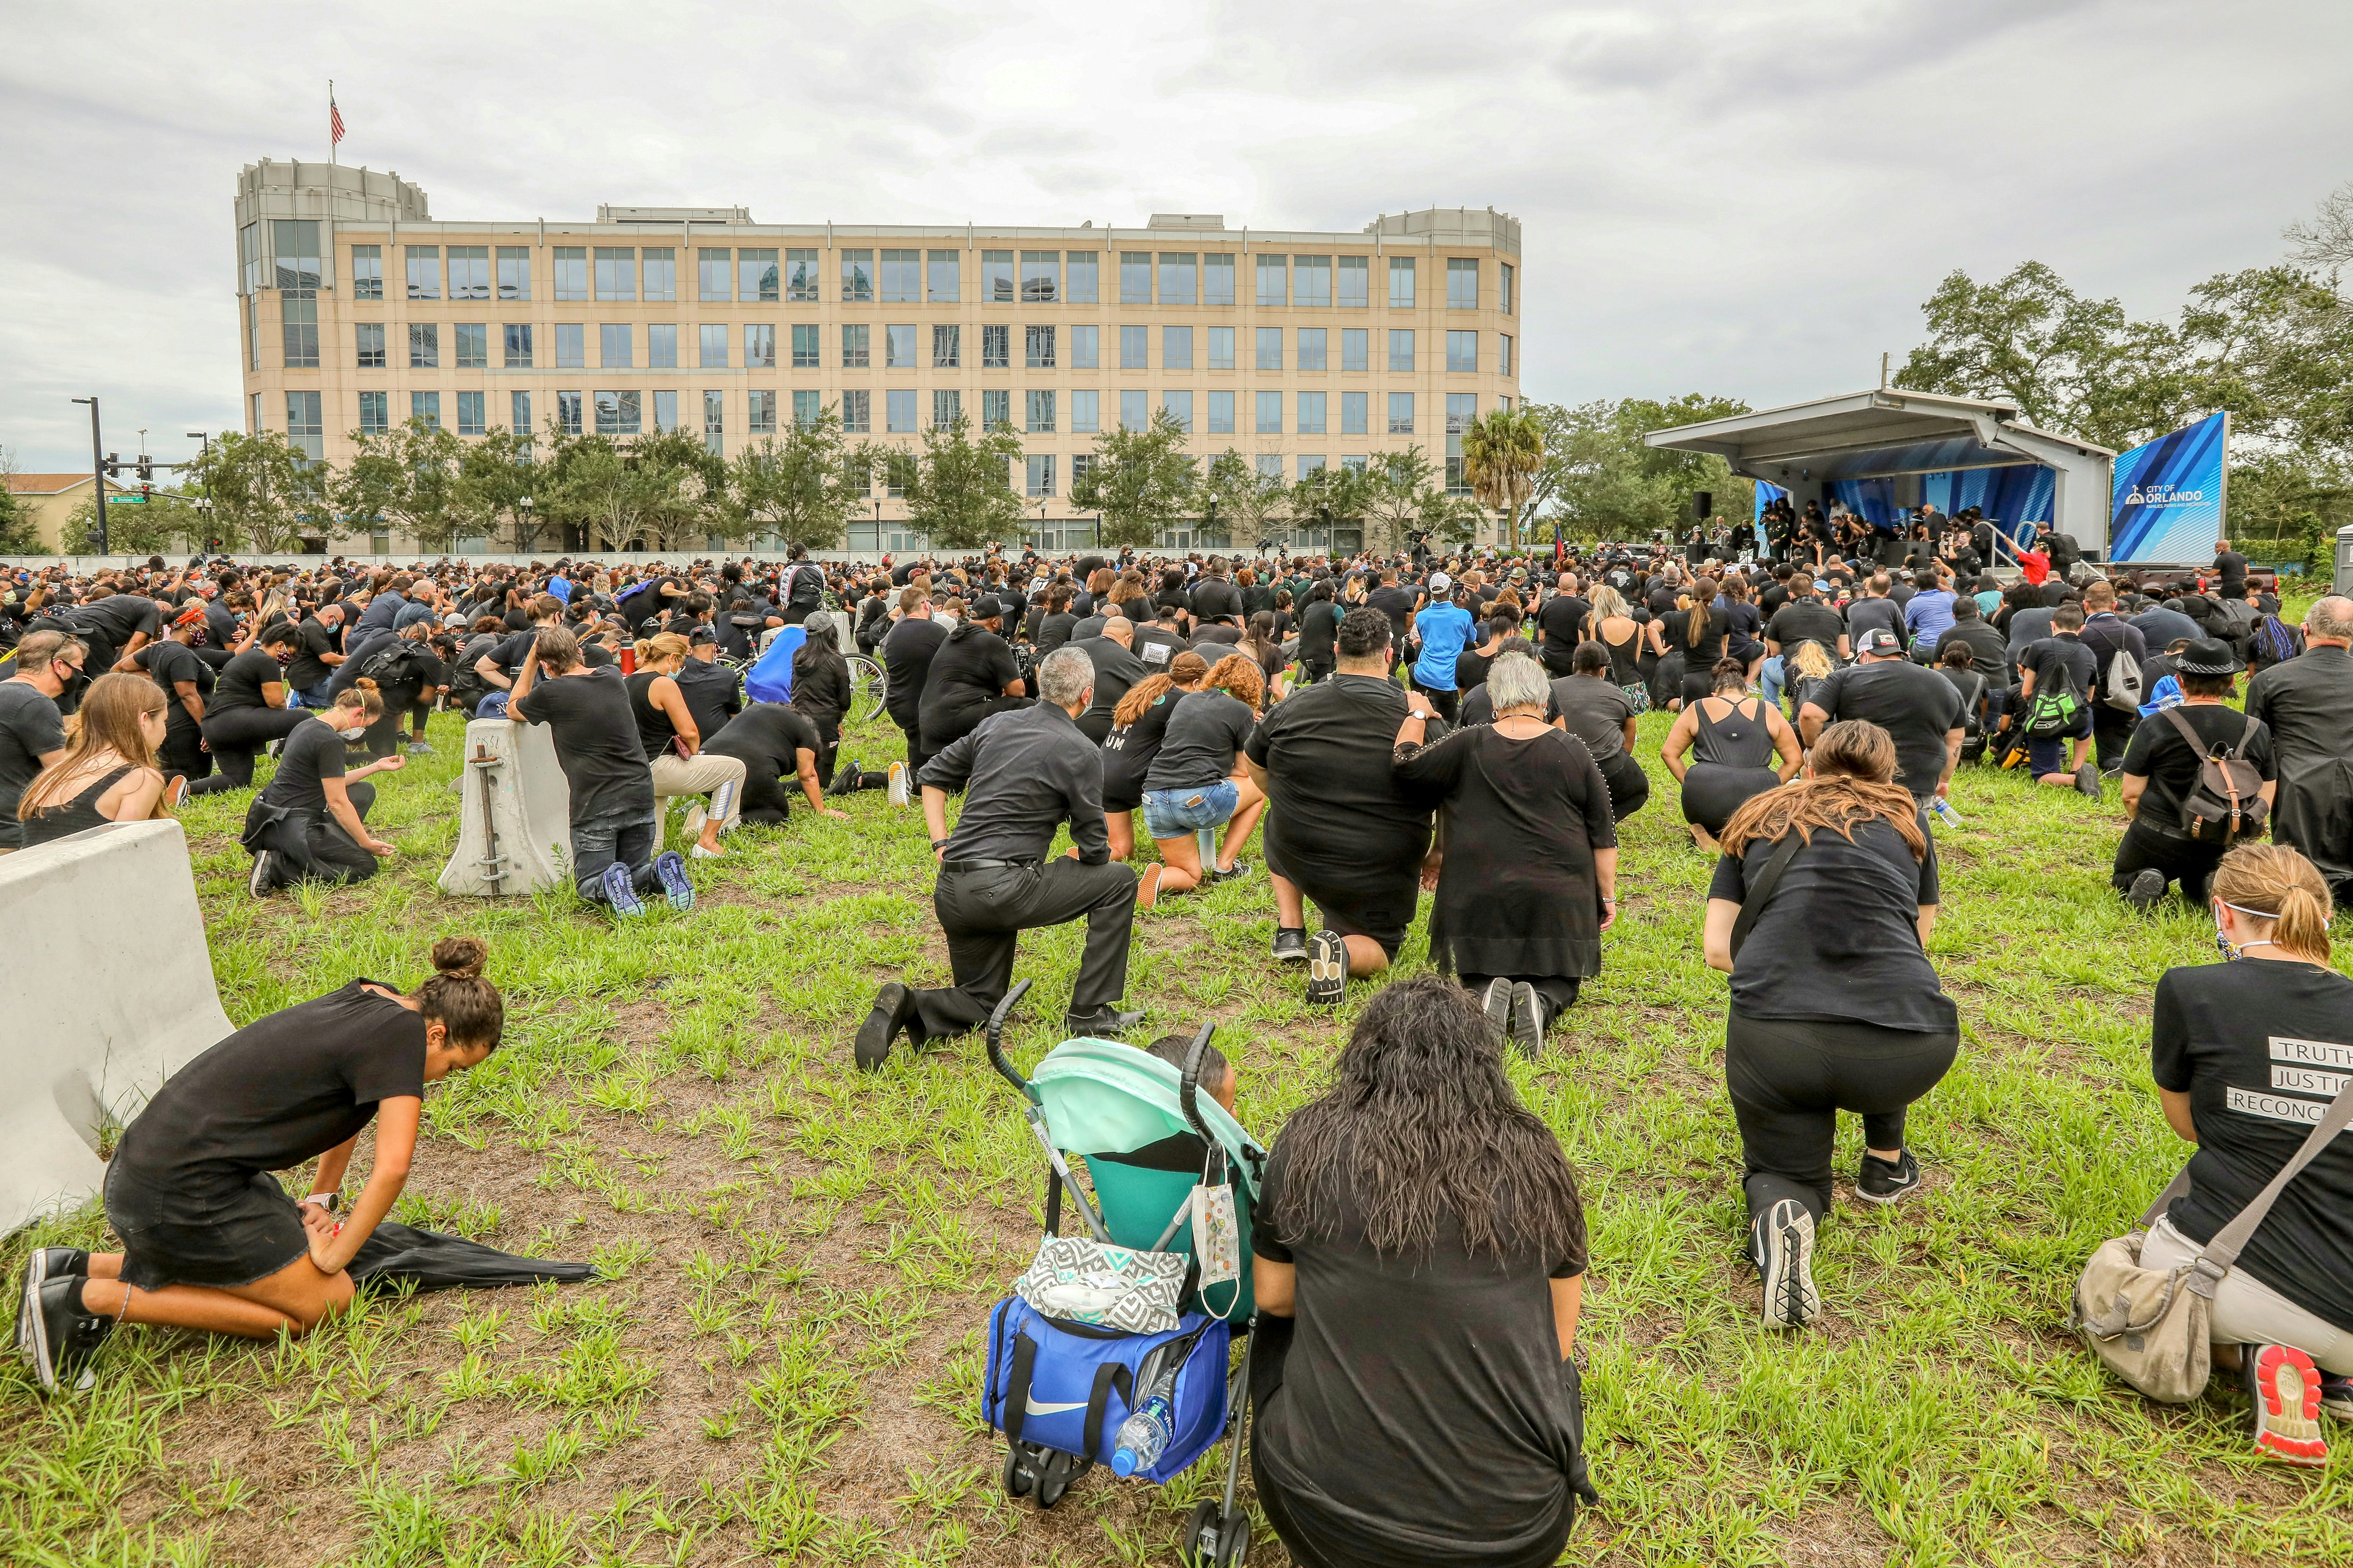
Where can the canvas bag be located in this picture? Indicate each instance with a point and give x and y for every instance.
(2152, 1326)
(1080, 1280)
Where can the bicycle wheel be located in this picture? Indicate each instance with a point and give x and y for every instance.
(865, 679)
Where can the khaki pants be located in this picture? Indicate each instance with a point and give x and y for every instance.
(722, 778)
(2248, 1312)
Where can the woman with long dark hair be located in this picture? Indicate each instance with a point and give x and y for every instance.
(1419, 1264)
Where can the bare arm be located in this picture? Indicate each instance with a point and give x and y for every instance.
(522, 680)
(1785, 742)
(332, 1165)
(2134, 785)
(1568, 1300)
(935, 817)
(1275, 1286)
(395, 1145)
(1679, 741)
(664, 692)
(339, 806)
(1715, 937)
(1810, 721)
(189, 698)
(1926, 922)
(2177, 1113)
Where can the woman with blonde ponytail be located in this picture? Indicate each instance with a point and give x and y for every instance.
(674, 746)
(2246, 1058)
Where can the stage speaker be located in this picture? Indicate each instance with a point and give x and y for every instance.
(1702, 505)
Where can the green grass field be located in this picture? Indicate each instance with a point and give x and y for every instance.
(782, 1366)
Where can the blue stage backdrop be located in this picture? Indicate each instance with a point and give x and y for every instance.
(2168, 495)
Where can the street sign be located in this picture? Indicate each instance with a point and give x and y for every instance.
(126, 498)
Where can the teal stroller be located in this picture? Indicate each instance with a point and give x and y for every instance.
(1118, 1326)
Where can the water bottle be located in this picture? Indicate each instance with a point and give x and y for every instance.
(1944, 812)
(1144, 1436)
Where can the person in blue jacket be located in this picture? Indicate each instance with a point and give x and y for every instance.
(1445, 629)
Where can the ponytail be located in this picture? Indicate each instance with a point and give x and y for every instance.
(2273, 883)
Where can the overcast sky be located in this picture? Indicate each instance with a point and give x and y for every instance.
(1748, 200)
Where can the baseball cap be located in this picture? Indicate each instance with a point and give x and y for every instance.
(1879, 639)
(1822, 585)
(1440, 582)
(986, 606)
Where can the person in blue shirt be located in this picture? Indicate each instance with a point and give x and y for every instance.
(1445, 629)
(1929, 615)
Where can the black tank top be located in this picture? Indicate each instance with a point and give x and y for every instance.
(76, 816)
(1739, 739)
(655, 732)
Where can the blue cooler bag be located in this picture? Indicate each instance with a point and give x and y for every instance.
(1068, 1386)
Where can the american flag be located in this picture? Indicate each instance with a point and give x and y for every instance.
(335, 121)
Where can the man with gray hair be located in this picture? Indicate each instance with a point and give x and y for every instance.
(1025, 772)
(2307, 702)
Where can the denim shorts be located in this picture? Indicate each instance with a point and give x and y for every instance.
(1174, 812)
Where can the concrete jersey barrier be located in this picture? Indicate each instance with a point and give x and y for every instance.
(515, 834)
(110, 991)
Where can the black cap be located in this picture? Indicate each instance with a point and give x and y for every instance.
(988, 606)
(2207, 655)
(701, 635)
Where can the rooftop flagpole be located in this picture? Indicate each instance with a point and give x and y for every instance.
(335, 123)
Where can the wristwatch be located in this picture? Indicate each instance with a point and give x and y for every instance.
(331, 1202)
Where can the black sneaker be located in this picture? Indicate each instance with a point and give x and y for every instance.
(1527, 1026)
(1496, 1002)
(1327, 969)
(1291, 944)
(895, 1010)
(65, 1338)
(845, 779)
(1785, 1251)
(1233, 873)
(264, 879)
(2146, 890)
(1880, 1183)
(1108, 1025)
(2087, 781)
(2336, 1396)
(47, 1263)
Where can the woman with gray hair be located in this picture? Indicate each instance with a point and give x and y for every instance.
(1527, 849)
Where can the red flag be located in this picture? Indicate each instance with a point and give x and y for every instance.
(335, 121)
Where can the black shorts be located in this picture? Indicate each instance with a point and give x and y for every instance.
(224, 1234)
(1382, 916)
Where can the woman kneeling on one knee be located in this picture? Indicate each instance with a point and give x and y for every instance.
(666, 729)
(210, 1240)
(2247, 1057)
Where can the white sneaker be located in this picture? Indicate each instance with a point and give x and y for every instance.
(897, 783)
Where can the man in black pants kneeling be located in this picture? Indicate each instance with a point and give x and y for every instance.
(1025, 772)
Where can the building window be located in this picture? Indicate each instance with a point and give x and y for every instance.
(760, 346)
(1134, 347)
(1400, 412)
(996, 348)
(1217, 277)
(1086, 348)
(1462, 353)
(571, 345)
(424, 407)
(1038, 413)
(1041, 471)
(1086, 414)
(1310, 281)
(807, 409)
(296, 242)
(1221, 348)
(714, 272)
(997, 278)
(899, 347)
(1354, 412)
(1310, 465)
(857, 413)
(899, 412)
(800, 276)
(805, 355)
(1270, 414)
(947, 407)
(1356, 282)
(1503, 354)
(1353, 463)
(1401, 348)
(306, 426)
(757, 279)
(1508, 276)
(1310, 414)
(1461, 409)
(1079, 280)
(1135, 277)
(571, 272)
(1461, 282)
(1179, 405)
(518, 344)
(1221, 414)
(944, 270)
(996, 410)
(253, 335)
(472, 419)
(300, 330)
(947, 346)
(375, 412)
(1353, 351)
(473, 345)
(367, 272)
(469, 272)
(519, 406)
(760, 411)
(1269, 466)
(253, 416)
(1311, 341)
(424, 345)
(1401, 282)
(902, 277)
(1179, 276)
(714, 350)
(714, 416)
(857, 346)
(249, 256)
(514, 272)
(661, 269)
(665, 410)
(1041, 277)
(1038, 341)
(1273, 280)
(424, 271)
(662, 345)
(1176, 348)
(619, 413)
(613, 345)
(1135, 410)
(1270, 348)
(567, 413)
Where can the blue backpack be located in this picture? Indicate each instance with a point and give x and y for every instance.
(771, 679)
(1068, 1386)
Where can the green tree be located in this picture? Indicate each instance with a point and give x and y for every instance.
(1503, 453)
(19, 534)
(406, 480)
(1325, 497)
(1600, 480)
(264, 492)
(681, 490)
(1402, 497)
(1251, 505)
(494, 476)
(1141, 480)
(960, 492)
(795, 488)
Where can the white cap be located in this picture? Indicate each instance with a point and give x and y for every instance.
(1440, 582)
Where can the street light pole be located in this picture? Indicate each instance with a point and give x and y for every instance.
(97, 470)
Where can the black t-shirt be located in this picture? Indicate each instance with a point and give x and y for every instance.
(1215, 596)
(118, 617)
(1156, 646)
(1839, 938)
(1875, 614)
(2160, 756)
(969, 672)
(1204, 733)
(764, 737)
(1806, 620)
(1562, 621)
(30, 727)
(1339, 818)
(1319, 622)
(2260, 1048)
(907, 653)
(2060, 663)
(596, 741)
(241, 681)
(1425, 1416)
(1396, 604)
(512, 651)
(1915, 705)
(2232, 567)
(1116, 671)
(312, 638)
(311, 753)
(1989, 648)
(713, 694)
(1596, 711)
(168, 663)
(1129, 752)
(220, 623)
(284, 1089)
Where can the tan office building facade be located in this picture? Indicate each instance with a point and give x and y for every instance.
(359, 310)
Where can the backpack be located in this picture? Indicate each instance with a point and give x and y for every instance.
(387, 665)
(2052, 714)
(2122, 689)
(2273, 641)
(2226, 804)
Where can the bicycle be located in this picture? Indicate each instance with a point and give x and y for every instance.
(869, 681)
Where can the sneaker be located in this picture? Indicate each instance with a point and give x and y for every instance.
(669, 869)
(2336, 1396)
(895, 781)
(1233, 873)
(1291, 944)
(2087, 781)
(621, 892)
(1327, 969)
(2286, 1388)
(420, 748)
(175, 792)
(1526, 1029)
(1147, 888)
(1880, 1183)
(1785, 1251)
(65, 1338)
(2146, 890)
(1496, 1002)
(696, 817)
(695, 851)
(1110, 1024)
(264, 880)
(894, 1011)
(47, 1263)
(846, 778)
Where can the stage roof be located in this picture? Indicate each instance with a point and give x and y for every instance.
(1876, 433)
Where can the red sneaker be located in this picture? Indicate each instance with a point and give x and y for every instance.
(2286, 1387)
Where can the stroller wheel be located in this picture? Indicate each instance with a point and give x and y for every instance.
(1199, 1548)
(1018, 1476)
(1054, 1478)
(1233, 1540)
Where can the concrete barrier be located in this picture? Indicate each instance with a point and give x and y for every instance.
(516, 830)
(109, 988)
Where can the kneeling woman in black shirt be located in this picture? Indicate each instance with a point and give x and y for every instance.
(1834, 1004)
(248, 710)
(210, 1240)
(310, 823)
(1420, 1262)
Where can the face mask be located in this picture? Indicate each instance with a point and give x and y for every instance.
(353, 734)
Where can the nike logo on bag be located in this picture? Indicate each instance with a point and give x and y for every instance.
(1032, 1407)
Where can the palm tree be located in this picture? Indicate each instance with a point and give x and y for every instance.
(1503, 452)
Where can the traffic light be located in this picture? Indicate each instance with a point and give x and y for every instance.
(147, 468)
(114, 465)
